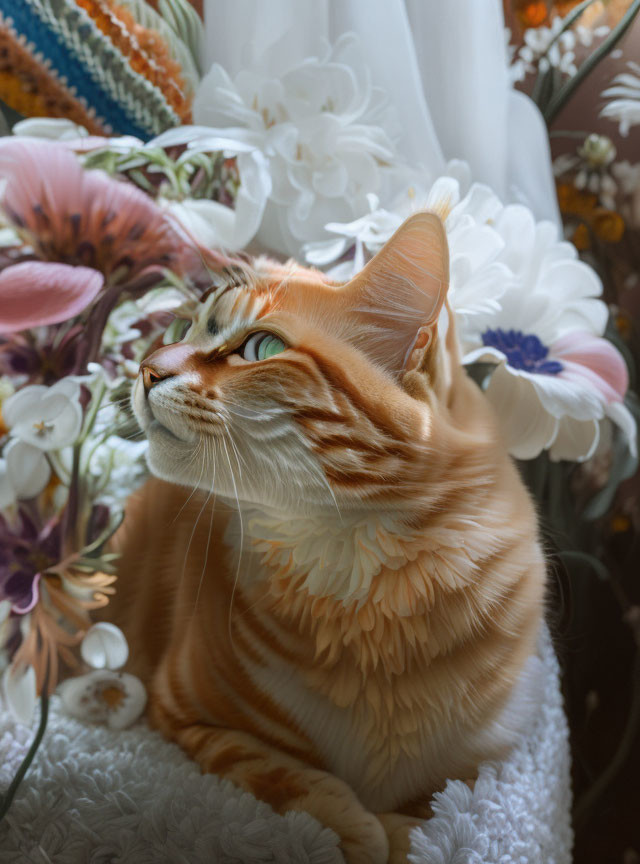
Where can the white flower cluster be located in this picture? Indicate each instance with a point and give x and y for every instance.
(551, 47)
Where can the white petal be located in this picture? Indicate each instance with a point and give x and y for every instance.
(20, 692)
(576, 440)
(58, 128)
(624, 419)
(7, 492)
(15, 406)
(27, 468)
(104, 646)
(561, 397)
(70, 387)
(524, 423)
(5, 608)
(212, 224)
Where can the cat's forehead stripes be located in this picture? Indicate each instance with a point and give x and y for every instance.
(224, 313)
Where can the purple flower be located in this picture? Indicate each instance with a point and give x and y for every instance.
(25, 554)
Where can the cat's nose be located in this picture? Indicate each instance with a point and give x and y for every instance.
(151, 376)
(165, 363)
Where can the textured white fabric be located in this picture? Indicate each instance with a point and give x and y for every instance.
(94, 796)
(441, 64)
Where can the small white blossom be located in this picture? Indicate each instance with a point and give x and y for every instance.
(628, 178)
(624, 99)
(115, 699)
(592, 165)
(544, 48)
(104, 646)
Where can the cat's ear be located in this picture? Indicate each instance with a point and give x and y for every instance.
(395, 300)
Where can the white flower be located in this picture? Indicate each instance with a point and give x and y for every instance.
(48, 418)
(544, 47)
(119, 327)
(515, 66)
(624, 96)
(24, 472)
(477, 276)
(117, 468)
(115, 699)
(210, 222)
(19, 688)
(586, 35)
(592, 163)
(628, 178)
(104, 695)
(321, 127)
(556, 378)
(104, 646)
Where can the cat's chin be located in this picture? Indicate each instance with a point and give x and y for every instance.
(156, 429)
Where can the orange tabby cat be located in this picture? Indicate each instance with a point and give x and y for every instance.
(348, 626)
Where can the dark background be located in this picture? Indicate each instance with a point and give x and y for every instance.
(595, 616)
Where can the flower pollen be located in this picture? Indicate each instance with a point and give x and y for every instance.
(523, 351)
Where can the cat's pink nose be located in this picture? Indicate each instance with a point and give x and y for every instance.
(165, 363)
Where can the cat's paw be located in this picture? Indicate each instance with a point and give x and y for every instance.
(363, 839)
(398, 828)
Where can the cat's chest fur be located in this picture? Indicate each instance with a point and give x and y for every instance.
(375, 684)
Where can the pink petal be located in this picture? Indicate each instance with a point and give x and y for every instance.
(35, 292)
(595, 360)
(44, 182)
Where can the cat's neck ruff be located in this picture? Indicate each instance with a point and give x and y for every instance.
(335, 556)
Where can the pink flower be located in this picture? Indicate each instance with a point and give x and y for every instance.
(86, 218)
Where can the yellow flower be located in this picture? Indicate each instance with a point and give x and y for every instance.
(608, 225)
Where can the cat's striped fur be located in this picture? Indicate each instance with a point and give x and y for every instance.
(341, 620)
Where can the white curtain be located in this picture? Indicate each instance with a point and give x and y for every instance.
(442, 64)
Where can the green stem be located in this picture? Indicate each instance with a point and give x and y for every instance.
(564, 94)
(568, 21)
(28, 759)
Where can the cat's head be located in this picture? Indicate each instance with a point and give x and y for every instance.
(295, 393)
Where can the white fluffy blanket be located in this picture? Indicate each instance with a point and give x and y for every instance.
(98, 797)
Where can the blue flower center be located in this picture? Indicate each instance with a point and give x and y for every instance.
(522, 350)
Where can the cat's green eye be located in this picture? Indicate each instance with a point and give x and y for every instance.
(261, 346)
(176, 331)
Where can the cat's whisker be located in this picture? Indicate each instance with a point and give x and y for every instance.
(195, 526)
(213, 507)
(194, 456)
(241, 546)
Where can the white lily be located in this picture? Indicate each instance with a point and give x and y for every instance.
(48, 418)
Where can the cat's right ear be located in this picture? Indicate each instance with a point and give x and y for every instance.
(395, 300)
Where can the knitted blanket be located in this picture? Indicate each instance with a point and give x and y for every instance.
(94, 796)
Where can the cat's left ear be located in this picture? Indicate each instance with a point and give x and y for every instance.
(395, 300)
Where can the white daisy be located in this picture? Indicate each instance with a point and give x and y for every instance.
(624, 98)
